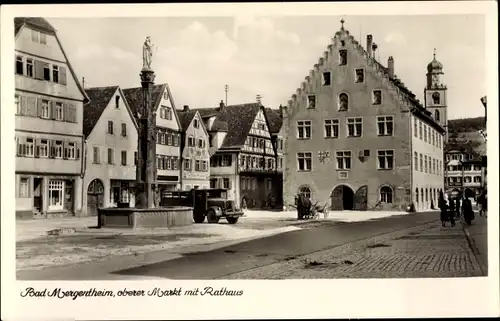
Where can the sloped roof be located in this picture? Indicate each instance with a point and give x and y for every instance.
(99, 99)
(185, 118)
(134, 96)
(237, 118)
(274, 119)
(42, 24)
(219, 125)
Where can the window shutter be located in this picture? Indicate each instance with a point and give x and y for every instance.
(62, 75)
(52, 152)
(38, 69)
(37, 147)
(38, 104)
(65, 112)
(19, 147)
(52, 109)
(65, 149)
(22, 101)
(73, 113)
(77, 152)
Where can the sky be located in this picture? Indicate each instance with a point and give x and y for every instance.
(270, 56)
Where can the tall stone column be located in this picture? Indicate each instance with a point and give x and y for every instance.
(146, 147)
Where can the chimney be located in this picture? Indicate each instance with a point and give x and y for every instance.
(390, 67)
(186, 108)
(369, 41)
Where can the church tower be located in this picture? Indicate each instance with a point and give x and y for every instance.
(435, 94)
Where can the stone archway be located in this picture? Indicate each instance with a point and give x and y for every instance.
(95, 197)
(342, 198)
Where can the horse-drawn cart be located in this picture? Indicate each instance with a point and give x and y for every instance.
(306, 210)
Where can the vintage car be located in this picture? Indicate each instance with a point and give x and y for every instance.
(211, 203)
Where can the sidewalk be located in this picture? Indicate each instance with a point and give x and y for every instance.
(477, 235)
(33, 229)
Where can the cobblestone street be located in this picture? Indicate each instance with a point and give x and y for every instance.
(425, 251)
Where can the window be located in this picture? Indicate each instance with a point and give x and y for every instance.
(425, 164)
(196, 123)
(304, 129)
(44, 148)
(187, 164)
(344, 160)
(385, 125)
(436, 115)
(58, 149)
(29, 68)
(386, 194)
(46, 72)
(304, 161)
(385, 159)
(306, 191)
(425, 133)
(56, 190)
(327, 78)
(45, 109)
(124, 157)
(167, 112)
(70, 151)
(420, 129)
(354, 127)
(24, 187)
(111, 156)
(343, 102)
(359, 75)
(415, 128)
(201, 143)
(111, 127)
(197, 165)
(331, 128)
(124, 130)
(162, 138)
(34, 36)
(43, 38)
(415, 160)
(17, 101)
(421, 163)
(96, 158)
(311, 101)
(117, 102)
(176, 140)
(213, 183)
(436, 98)
(280, 162)
(225, 183)
(19, 65)
(55, 73)
(376, 97)
(467, 179)
(433, 138)
(343, 57)
(59, 111)
(204, 166)
(477, 179)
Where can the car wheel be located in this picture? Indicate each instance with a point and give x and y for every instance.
(232, 220)
(212, 217)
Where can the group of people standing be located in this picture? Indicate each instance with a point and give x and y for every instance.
(454, 208)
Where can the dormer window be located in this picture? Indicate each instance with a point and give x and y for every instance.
(343, 102)
(311, 101)
(436, 98)
(360, 75)
(343, 57)
(117, 102)
(327, 77)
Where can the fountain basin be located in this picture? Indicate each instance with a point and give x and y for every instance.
(145, 217)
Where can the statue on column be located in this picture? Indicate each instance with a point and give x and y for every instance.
(147, 53)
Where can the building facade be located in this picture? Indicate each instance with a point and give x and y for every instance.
(168, 150)
(276, 129)
(110, 130)
(464, 174)
(48, 124)
(195, 169)
(243, 158)
(349, 138)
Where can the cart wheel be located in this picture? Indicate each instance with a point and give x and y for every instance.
(232, 220)
(212, 217)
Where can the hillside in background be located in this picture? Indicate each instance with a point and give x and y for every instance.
(464, 135)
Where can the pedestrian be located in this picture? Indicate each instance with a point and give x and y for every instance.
(451, 210)
(468, 211)
(443, 207)
(458, 206)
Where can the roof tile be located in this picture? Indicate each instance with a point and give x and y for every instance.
(99, 99)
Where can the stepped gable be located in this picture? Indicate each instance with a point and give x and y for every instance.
(99, 100)
(405, 96)
(185, 118)
(274, 119)
(134, 96)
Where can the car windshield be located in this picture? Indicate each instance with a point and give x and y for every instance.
(217, 194)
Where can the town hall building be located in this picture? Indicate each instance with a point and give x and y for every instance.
(358, 139)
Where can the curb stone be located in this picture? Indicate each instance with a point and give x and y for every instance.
(473, 247)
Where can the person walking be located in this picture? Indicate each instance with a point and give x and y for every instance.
(458, 204)
(443, 207)
(468, 211)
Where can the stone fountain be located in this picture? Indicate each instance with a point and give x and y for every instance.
(147, 212)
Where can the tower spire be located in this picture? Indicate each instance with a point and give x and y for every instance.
(434, 53)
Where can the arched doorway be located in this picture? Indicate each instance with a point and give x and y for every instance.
(469, 193)
(95, 197)
(342, 198)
